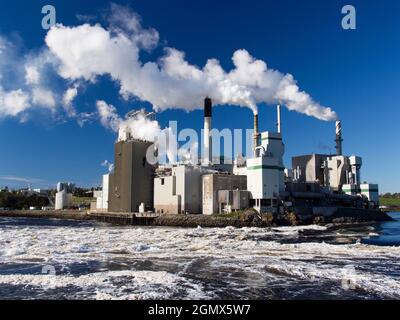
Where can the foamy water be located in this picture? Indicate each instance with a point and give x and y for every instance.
(53, 259)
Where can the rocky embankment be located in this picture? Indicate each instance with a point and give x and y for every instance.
(251, 218)
(248, 218)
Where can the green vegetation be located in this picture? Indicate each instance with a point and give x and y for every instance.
(21, 200)
(78, 201)
(232, 215)
(386, 201)
(83, 192)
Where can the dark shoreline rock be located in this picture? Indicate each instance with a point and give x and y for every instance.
(51, 214)
(248, 218)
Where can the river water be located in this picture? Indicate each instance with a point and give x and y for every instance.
(60, 259)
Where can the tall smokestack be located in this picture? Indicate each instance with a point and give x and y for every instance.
(339, 138)
(278, 111)
(207, 131)
(256, 135)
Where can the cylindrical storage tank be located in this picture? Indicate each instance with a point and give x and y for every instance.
(60, 199)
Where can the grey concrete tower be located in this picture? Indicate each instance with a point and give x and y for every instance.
(132, 181)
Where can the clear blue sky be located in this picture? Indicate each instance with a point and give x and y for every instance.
(356, 72)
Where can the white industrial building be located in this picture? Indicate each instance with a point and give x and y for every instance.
(178, 189)
(265, 172)
(368, 190)
(102, 195)
(64, 195)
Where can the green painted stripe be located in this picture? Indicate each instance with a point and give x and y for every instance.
(363, 190)
(266, 167)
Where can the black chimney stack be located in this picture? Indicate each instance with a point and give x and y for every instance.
(207, 108)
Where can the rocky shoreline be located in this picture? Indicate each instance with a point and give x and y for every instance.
(248, 218)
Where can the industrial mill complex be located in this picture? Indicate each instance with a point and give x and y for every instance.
(317, 184)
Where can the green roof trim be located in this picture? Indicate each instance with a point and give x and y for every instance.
(271, 138)
(260, 167)
(362, 190)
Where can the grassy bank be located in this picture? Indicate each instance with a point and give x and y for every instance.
(52, 214)
(389, 202)
(78, 201)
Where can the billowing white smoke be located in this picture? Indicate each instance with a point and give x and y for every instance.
(88, 51)
(139, 127)
(109, 117)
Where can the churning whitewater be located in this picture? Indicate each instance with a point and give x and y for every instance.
(57, 259)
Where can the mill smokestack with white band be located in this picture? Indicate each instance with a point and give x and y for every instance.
(207, 131)
(256, 136)
(339, 139)
(278, 111)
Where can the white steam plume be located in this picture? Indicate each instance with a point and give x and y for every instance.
(138, 127)
(87, 51)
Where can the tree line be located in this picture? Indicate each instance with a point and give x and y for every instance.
(395, 195)
(17, 200)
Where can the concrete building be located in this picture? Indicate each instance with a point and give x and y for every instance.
(214, 182)
(131, 184)
(232, 200)
(177, 190)
(337, 173)
(308, 168)
(332, 171)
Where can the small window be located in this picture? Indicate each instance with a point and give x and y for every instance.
(162, 182)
